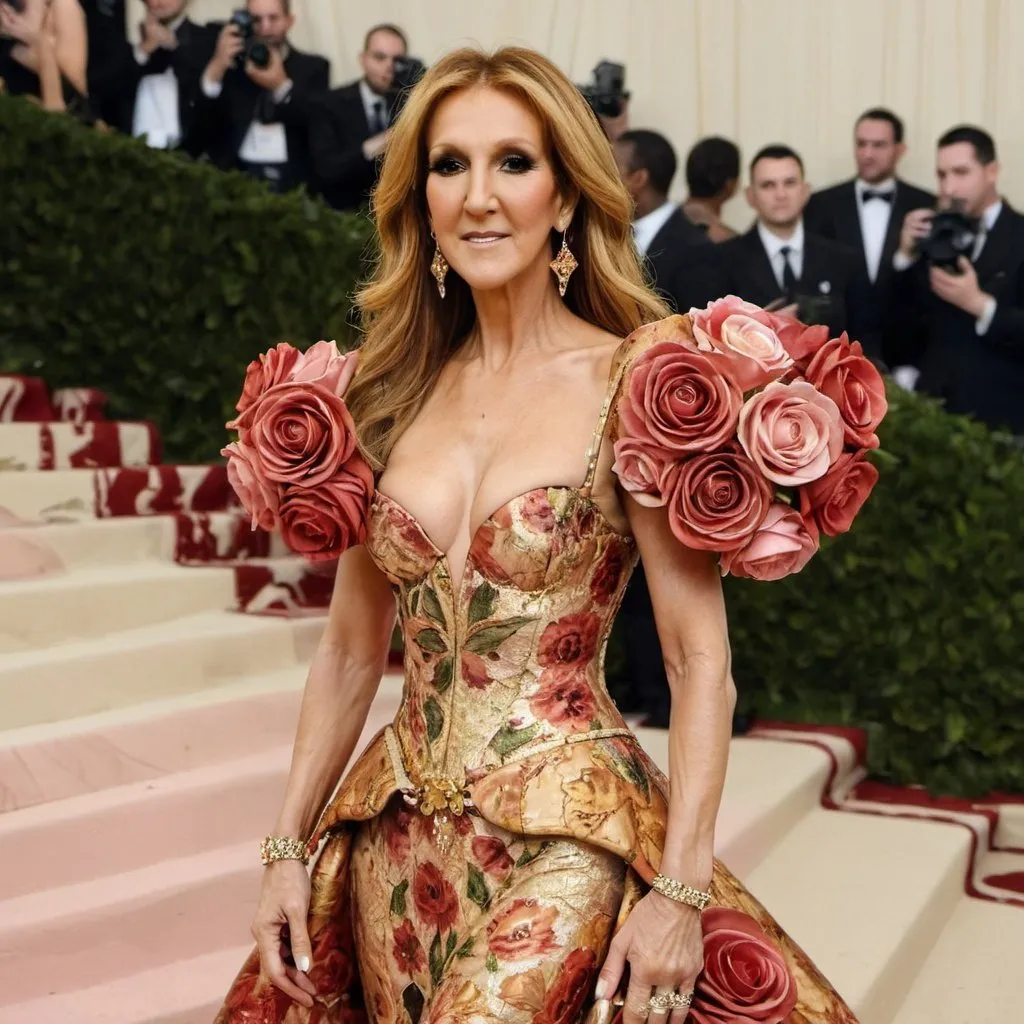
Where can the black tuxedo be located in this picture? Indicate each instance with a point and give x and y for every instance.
(685, 267)
(225, 121)
(873, 319)
(120, 80)
(340, 127)
(107, 34)
(978, 375)
(826, 275)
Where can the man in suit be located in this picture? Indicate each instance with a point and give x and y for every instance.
(866, 213)
(257, 119)
(712, 177)
(351, 123)
(973, 354)
(684, 266)
(778, 263)
(151, 89)
(105, 22)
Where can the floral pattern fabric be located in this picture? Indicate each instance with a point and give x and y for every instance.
(483, 848)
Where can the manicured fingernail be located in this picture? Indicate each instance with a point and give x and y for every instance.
(601, 991)
(302, 963)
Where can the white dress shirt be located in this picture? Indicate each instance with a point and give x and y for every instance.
(156, 115)
(646, 228)
(874, 221)
(372, 104)
(773, 246)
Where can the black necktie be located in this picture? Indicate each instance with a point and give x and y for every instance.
(379, 122)
(788, 276)
(869, 193)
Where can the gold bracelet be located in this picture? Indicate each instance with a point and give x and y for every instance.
(681, 893)
(283, 848)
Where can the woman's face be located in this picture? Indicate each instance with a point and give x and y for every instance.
(491, 190)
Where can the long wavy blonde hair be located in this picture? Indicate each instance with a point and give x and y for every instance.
(410, 332)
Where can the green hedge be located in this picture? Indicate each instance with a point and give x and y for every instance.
(158, 280)
(155, 278)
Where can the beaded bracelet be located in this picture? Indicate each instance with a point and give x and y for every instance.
(681, 893)
(275, 848)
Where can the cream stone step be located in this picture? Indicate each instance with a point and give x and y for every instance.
(865, 896)
(133, 744)
(972, 975)
(186, 655)
(26, 447)
(102, 600)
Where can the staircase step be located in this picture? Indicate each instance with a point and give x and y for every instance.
(202, 537)
(24, 399)
(971, 975)
(73, 494)
(53, 762)
(49, 446)
(102, 600)
(865, 897)
(284, 586)
(185, 655)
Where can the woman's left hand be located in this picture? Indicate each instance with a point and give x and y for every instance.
(663, 942)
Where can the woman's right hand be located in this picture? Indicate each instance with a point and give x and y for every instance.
(24, 26)
(284, 903)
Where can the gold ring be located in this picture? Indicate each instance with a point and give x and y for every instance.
(662, 1002)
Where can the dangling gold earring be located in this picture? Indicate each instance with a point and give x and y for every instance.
(438, 266)
(563, 265)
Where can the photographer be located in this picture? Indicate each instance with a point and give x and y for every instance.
(961, 269)
(350, 126)
(778, 263)
(257, 95)
(152, 90)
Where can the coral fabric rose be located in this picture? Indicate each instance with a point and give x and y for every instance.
(570, 989)
(783, 544)
(798, 339)
(435, 899)
(323, 364)
(745, 979)
(645, 470)
(273, 367)
(842, 371)
(259, 497)
(570, 640)
(679, 400)
(523, 930)
(407, 949)
(792, 432)
(605, 580)
(754, 352)
(564, 699)
(323, 522)
(492, 855)
(719, 500)
(301, 433)
(835, 500)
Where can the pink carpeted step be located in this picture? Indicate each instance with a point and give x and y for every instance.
(202, 537)
(86, 445)
(284, 586)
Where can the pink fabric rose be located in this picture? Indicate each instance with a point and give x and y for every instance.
(323, 364)
(792, 432)
(679, 400)
(301, 433)
(799, 340)
(842, 371)
(324, 521)
(273, 367)
(259, 497)
(834, 501)
(746, 339)
(645, 470)
(718, 500)
(783, 544)
(746, 979)
(707, 322)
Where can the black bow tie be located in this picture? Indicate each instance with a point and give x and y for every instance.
(870, 193)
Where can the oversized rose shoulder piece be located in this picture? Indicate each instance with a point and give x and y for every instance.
(752, 430)
(296, 466)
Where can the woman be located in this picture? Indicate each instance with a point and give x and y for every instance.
(489, 856)
(44, 52)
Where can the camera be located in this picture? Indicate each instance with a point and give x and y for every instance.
(606, 92)
(253, 48)
(952, 234)
(407, 72)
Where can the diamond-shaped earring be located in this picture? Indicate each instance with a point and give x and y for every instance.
(563, 265)
(439, 267)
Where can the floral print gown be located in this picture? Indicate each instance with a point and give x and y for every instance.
(482, 850)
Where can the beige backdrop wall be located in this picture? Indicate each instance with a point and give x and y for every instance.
(758, 71)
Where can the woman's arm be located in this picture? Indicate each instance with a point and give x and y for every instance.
(66, 20)
(689, 610)
(51, 89)
(343, 680)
